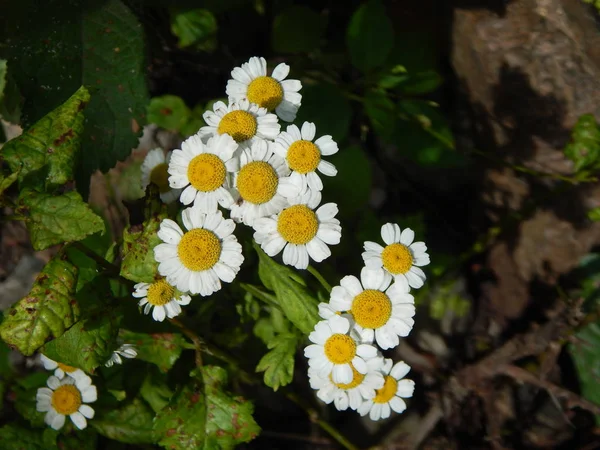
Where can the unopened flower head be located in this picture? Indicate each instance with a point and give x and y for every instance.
(379, 310)
(300, 231)
(391, 395)
(336, 352)
(160, 298)
(198, 259)
(61, 370)
(401, 257)
(245, 122)
(124, 351)
(154, 170)
(203, 171)
(274, 92)
(66, 397)
(304, 156)
(264, 184)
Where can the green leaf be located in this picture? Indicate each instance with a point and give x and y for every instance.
(47, 311)
(370, 36)
(297, 304)
(162, 349)
(52, 144)
(169, 112)
(25, 402)
(278, 364)
(197, 27)
(381, 112)
(6, 182)
(16, 437)
(78, 440)
(593, 214)
(584, 148)
(87, 344)
(55, 219)
(586, 355)
(131, 424)
(298, 29)
(181, 425)
(328, 108)
(421, 83)
(155, 390)
(137, 249)
(229, 419)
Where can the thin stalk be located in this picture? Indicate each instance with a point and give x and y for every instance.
(315, 273)
(198, 347)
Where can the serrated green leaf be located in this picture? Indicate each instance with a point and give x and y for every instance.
(297, 304)
(586, 355)
(155, 390)
(51, 144)
(181, 424)
(197, 28)
(328, 108)
(138, 263)
(169, 112)
(162, 349)
(16, 437)
(131, 424)
(89, 343)
(298, 29)
(370, 36)
(47, 311)
(229, 419)
(55, 219)
(278, 364)
(584, 148)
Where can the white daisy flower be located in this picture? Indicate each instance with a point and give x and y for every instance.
(344, 395)
(125, 351)
(304, 156)
(401, 257)
(274, 92)
(391, 394)
(264, 184)
(197, 260)
(154, 170)
(335, 352)
(202, 169)
(162, 296)
(61, 370)
(245, 122)
(300, 231)
(67, 397)
(378, 311)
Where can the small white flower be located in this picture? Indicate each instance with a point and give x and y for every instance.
(304, 156)
(300, 231)
(344, 395)
(154, 170)
(335, 352)
(162, 296)
(66, 397)
(271, 92)
(198, 259)
(245, 122)
(263, 183)
(378, 311)
(391, 394)
(203, 169)
(61, 370)
(125, 351)
(401, 257)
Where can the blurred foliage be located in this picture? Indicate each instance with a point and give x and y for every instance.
(584, 148)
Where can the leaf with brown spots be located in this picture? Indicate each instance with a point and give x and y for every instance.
(162, 349)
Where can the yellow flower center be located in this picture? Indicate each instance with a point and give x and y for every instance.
(66, 399)
(357, 378)
(160, 293)
(340, 349)
(65, 368)
(160, 177)
(240, 125)
(303, 156)
(257, 182)
(266, 92)
(199, 249)
(298, 224)
(206, 172)
(397, 258)
(387, 392)
(371, 309)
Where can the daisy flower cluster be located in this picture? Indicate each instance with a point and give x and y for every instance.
(365, 315)
(240, 164)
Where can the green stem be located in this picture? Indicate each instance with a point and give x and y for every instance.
(315, 273)
(112, 270)
(198, 347)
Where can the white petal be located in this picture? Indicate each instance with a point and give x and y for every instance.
(78, 420)
(407, 236)
(87, 411)
(281, 72)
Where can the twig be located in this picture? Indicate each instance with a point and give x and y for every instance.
(193, 337)
(315, 273)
